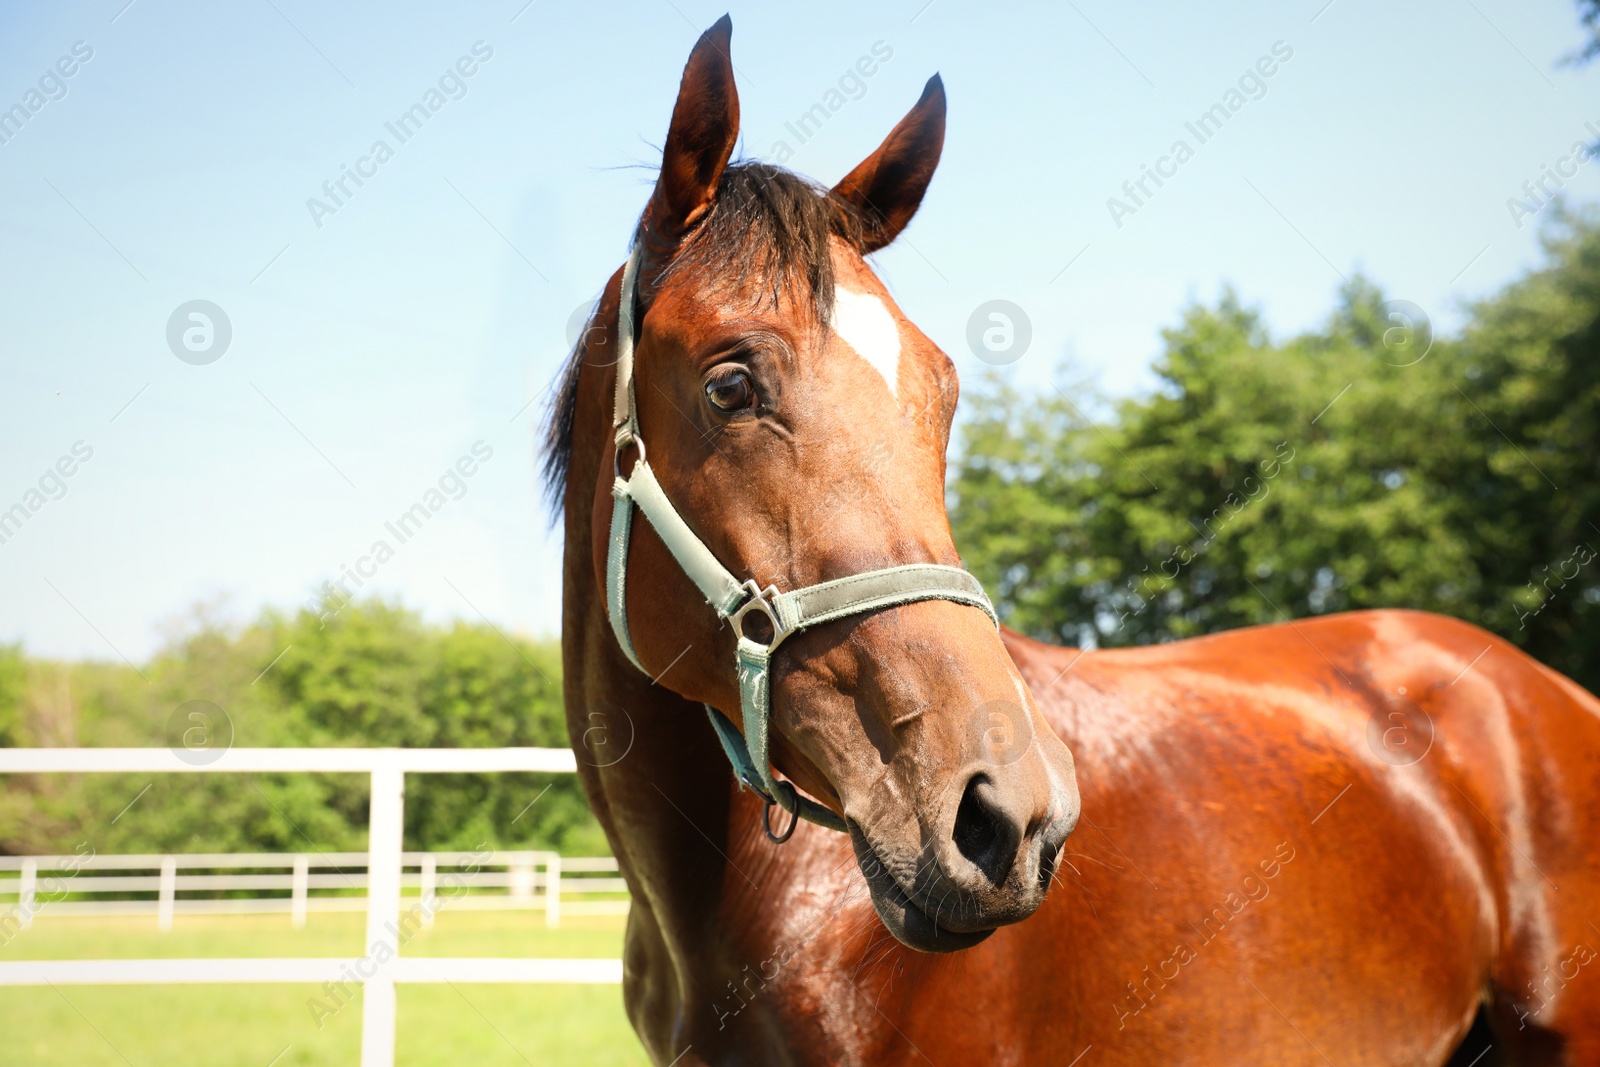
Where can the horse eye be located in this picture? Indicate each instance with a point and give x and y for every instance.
(731, 392)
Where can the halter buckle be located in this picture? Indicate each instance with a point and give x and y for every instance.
(620, 444)
(759, 601)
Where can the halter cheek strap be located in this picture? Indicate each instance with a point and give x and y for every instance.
(785, 613)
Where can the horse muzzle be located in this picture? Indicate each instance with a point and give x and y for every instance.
(987, 864)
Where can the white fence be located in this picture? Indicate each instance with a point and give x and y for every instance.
(313, 882)
(381, 966)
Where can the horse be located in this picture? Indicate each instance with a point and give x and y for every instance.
(1355, 839)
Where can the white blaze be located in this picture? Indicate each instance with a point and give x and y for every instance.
(866, 326)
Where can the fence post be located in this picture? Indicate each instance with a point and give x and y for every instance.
(521, 879)
(301, 888)
(430, 888)
(552, 890)
(168, 892)
(386, 825)
(27, 891)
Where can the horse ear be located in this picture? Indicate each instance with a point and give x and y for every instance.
(888, 185)
(705, 127)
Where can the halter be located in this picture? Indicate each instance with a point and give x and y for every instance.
(786, 613)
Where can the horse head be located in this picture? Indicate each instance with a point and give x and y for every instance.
(795, 423)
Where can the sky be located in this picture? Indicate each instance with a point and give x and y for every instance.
(357, 349)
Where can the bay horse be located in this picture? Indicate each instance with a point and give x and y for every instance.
(1346, 840)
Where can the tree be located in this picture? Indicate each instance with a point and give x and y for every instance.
(1350, 467)
(373, 675)
(1589, 15)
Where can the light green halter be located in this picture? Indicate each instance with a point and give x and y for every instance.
(786, 613)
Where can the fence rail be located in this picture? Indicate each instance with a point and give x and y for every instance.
(525, 876)
(381, 966)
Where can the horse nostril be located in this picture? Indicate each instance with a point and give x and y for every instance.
(983, 833)
(1049, 856)
(1053, 839)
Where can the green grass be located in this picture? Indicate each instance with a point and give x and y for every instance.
(458, 933)
(248, 1025)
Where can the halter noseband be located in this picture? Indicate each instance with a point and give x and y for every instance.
(787, 613)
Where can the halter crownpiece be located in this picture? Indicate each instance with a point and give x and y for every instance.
(785, 613)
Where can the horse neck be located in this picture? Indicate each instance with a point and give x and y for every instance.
(665, 804)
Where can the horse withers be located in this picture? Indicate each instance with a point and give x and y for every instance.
(1254, 879)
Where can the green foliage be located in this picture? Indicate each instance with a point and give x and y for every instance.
(13, 680)
(372, 675)
(1336, 470)
(1589, 15)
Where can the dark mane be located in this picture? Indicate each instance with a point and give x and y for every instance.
(767, 232)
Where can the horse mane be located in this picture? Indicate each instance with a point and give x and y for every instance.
(766, 233)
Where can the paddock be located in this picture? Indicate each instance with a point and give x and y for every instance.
(368, 971)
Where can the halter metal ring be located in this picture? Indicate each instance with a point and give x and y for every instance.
(759, 601)
(616, 453)
(793, 807)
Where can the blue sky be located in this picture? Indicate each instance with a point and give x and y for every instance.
(374, 347)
